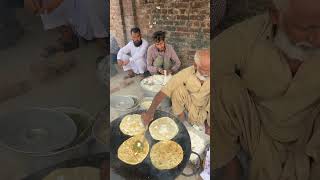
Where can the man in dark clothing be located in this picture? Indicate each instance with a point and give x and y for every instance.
(10, 28)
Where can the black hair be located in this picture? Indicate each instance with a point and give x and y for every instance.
(159, 36)
(135, 30)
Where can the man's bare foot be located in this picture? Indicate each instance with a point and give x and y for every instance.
(130, 74)
(140, 76)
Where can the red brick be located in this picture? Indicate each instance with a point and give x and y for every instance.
(180, 23)
(170, 11)
(206, 31)
(182, 17)
(183, 11)
(164, 11)
(182, 29)
(175, 11)
(182, 5)
(196, 23)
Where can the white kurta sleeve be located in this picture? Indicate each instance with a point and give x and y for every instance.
(124, 51)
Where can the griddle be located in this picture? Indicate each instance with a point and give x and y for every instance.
(145, 170)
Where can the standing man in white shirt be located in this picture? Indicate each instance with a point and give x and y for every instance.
(136, 62)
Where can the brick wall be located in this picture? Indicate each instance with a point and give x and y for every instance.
(116, 26)
(187, 23)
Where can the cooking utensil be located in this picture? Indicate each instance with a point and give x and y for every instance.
(36, 130)
(146, 170)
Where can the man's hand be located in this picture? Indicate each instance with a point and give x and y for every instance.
(125, 62)
(232, 170)
(32, 5)
(207, 128)
(160, 71)
(120, 62)
(169, 71)
(147, 117)
(48, 8)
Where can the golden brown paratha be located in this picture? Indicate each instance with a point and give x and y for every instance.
(166, 155)
(132, 125)
(131, 152)
(163, 129)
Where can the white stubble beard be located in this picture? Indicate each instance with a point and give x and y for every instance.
(300, 51)
(201, 77)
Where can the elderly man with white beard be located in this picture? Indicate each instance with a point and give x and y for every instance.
(267, 94)
(189, 91)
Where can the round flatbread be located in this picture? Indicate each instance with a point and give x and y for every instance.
(134, 150)
(132, 125)
(146, 104)
(166, 155)
(79, 173)
(163, 129)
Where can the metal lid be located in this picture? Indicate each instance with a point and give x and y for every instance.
(36, 130)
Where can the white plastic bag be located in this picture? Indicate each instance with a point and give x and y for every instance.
(205, 174)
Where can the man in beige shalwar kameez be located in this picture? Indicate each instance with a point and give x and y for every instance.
(267, 94)
(189, 91)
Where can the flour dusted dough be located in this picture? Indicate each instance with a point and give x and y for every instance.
(155, 83)
(129, 155)
(132, 125)
(166, 155)
(163, 129)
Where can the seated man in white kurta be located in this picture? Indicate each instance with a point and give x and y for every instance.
(133, 57)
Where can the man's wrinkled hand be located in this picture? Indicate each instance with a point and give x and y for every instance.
(46, 10)
(161, 71)
(33, 6)
(169, 72)
(207, 128)
(120, 63)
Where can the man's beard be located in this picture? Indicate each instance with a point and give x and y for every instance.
(299, 51)
(137, 43)
(201, 77)
(162, 50)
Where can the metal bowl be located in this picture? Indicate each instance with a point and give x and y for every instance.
(144, 100)
(116, 100)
